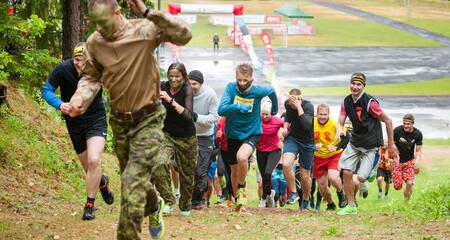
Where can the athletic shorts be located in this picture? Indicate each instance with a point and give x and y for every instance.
(386, 174)
(322, 165)
(353, 155)
(80, 132)
(234, 145)
(403, 172)
(212, 170)
(305, 151)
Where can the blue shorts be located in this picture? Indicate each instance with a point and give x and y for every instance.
(212, 170)
(304, 150)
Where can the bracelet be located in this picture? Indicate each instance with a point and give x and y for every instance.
(147, 11)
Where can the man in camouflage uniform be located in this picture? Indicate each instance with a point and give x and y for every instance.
(120, 56)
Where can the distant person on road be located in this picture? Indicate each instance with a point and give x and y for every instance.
(87, 132)
(216, 40)
(408, 140)
(366, 116)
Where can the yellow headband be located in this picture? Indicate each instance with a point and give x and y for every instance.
(298, 97)
(78, 51)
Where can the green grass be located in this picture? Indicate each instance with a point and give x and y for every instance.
(437, 142)
(439, 87)
(431, 15)
(354, 33)
(436, 26)
(329, 32)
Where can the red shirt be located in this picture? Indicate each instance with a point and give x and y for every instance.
(222, 140)
(374, 110)
(269, 138)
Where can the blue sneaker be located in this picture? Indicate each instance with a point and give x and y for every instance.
(293, 197)
(156, 225)
(305, 205)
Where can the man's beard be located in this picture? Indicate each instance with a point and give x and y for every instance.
(244, 89)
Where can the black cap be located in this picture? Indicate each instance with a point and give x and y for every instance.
(196, 75)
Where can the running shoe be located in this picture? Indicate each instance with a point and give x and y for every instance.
(242, 197)
(379, 196)
(331, 206)
(293, 197)
(167, 210)
(348, 210)
(262, 203)
(342, 201)
(107, 194)
(156, 223)
(186, 213)
(271, 199)
(89, 211)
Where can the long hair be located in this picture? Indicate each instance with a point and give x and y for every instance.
(180, 67)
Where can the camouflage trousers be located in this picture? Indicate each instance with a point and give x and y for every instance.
(137, 147)
(185, 152)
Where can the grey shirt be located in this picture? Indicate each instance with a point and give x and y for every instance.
(205, 105)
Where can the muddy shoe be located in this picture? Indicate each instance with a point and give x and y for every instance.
(89, 211)
(107, 194)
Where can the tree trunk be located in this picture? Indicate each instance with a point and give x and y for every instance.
(73, 12)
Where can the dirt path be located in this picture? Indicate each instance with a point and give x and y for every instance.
(63, 219)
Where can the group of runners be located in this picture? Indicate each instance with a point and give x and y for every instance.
(165, 132)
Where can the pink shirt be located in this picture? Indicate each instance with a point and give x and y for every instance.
(269, 138)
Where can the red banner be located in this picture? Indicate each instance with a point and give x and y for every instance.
(269, 50)
(273, 19)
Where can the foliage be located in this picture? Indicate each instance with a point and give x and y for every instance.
(432, 203)
(20, 59)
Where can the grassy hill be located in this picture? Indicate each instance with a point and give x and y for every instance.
(39, 170)
(42, 192)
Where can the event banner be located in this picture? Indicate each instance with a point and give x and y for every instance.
(269, 50)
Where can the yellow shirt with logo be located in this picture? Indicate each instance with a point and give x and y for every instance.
(324, 134)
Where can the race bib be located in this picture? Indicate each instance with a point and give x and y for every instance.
(244, 101)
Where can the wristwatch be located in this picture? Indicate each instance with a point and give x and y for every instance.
(147, 11)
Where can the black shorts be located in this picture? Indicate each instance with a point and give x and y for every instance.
(234, 145)
(384, 173)
(80, 132)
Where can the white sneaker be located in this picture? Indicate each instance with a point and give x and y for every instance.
(167, 210)
(271, 199)
(185, 213)
(262, 203)
(177, 197)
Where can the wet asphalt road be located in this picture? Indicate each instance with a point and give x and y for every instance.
(332, 66)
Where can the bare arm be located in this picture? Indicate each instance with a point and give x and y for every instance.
(391, 148)
(340, 125)
(418, 156)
